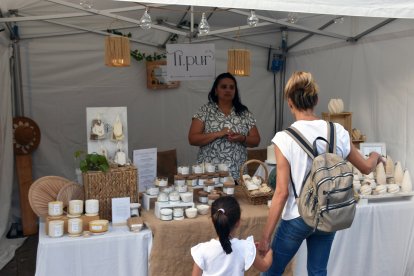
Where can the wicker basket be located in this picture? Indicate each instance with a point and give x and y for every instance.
(257, 198)
(117, 182)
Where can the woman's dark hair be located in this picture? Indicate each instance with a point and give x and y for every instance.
(212, 97)
(225, 213)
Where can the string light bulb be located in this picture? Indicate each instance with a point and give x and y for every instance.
(86, 4)
(292, 17)
(252, 19)
(145, 21)
(203, 27)
(339, 20)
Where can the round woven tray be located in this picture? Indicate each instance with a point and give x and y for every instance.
(44, 190)
(70, 191)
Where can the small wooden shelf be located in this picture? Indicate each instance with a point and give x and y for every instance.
(343, 118)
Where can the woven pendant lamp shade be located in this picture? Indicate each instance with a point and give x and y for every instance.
(238, 62)
(117, 53)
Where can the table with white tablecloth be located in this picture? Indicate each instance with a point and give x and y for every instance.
(117, 252)
(379, 243)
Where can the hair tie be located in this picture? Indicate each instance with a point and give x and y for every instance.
(222, 210)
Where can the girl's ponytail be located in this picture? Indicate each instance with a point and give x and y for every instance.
(221, 223)
(225, 213)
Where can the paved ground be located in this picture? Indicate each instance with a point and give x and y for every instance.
(24, 261)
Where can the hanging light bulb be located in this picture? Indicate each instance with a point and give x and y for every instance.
(203, 27)
(339, 20)
(252, 19)
(292, 17)
(86, 4)
(145, 21)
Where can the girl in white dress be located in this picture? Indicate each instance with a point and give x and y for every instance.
(227, 255)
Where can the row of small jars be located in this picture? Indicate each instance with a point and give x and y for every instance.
(75, 209)
(202, 168)
(198, 180)
(75, 227)
(209, 194)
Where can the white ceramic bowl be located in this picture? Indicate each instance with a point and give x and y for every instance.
(187, 197)
(203, 209)
(181, 188)
(162, 197)
(174, 196)
(153, 191)
(191, 212)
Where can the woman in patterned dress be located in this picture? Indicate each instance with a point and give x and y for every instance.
(224, 127)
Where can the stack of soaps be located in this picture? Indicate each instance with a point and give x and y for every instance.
(271, 157)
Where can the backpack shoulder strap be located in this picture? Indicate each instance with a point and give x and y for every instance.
(331, 146)
(305, 145)
(301, 140)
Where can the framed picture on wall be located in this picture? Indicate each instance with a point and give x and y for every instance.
(367, 148)
(157, 76)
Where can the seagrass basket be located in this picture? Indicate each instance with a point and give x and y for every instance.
(116, 182)
(256, 197)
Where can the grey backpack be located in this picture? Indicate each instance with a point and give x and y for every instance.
(326, 201)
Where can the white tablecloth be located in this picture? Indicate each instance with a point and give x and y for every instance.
(379, 243)
(118, 252)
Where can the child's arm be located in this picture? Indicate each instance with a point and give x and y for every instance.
(196, 270)
(262, 263)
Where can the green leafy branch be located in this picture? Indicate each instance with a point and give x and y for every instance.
(139, 56)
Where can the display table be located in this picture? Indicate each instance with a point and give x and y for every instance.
(117, 252)
(170, 254)
(380, 242)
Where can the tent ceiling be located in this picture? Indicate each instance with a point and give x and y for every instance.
(176, 19)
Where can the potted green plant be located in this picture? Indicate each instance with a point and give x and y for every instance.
(91, 162)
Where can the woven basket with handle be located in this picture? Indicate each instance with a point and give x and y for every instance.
(256, 198)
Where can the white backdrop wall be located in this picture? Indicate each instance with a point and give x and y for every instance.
(375, 78)
(64, 75)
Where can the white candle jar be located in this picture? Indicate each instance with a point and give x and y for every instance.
(55, 229)
(184, 170)
(210, 168)
(228, 188)
(208, 186)
(181, 188)
(75, 207)
(75, 227)
(161, 181)
(92, 207)
(197, 169)
(192, 181)
(134, 209)
(55, 208)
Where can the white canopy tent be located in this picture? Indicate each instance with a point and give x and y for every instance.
(366, 61)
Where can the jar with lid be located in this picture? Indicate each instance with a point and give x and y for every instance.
(55, 228)
(135, 209)
(208, 185)
(179, 180)
(192, 181)
(212, 198)
(201, 179)
(228, 188)
(183, 170)
(202, 196)
(55, 208)
(216, 178)
(223, 176)
(197, 169)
